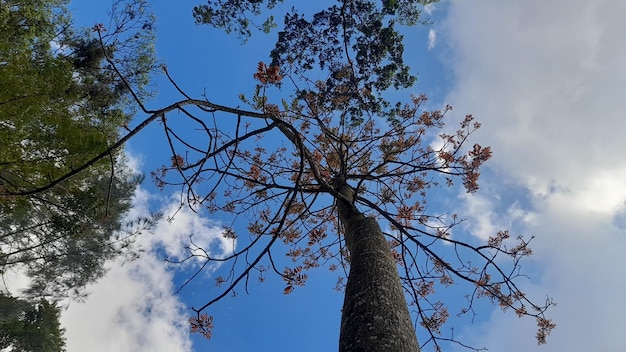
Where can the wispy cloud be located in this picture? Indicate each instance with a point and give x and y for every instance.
(429, 8)
(546, 81)
(487, 212)
(432, 38)
(184, 232)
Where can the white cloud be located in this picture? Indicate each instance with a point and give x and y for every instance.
(14, 282)
(546, 80)
(487, 214)
(429, 8)
(129, 310)
(185, 226)
(580, 267)
(133, 308)
(479, 209)
(432, 38)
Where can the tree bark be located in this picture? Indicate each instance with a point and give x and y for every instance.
(375, 315)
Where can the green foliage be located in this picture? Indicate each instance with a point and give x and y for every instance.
(63, 237)
(28, 327)
(232, 16)
(63, 103)
(355, 42)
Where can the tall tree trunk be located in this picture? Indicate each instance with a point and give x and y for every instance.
(375, 315)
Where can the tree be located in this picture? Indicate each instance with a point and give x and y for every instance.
(60, 106)
(324, 168)
(308, 191)
(343, 149)
(27, 327)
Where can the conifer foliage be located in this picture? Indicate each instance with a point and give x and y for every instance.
(64, 186)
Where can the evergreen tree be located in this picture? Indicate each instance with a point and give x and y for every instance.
(27, 327)
(61, 106)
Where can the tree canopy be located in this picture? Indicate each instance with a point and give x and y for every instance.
(60, 107)
(28, 327)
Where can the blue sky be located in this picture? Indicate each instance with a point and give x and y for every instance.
(546, 79)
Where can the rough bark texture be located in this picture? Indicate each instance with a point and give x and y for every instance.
(375, 315)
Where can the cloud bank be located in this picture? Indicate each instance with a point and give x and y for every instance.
(546, 80)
